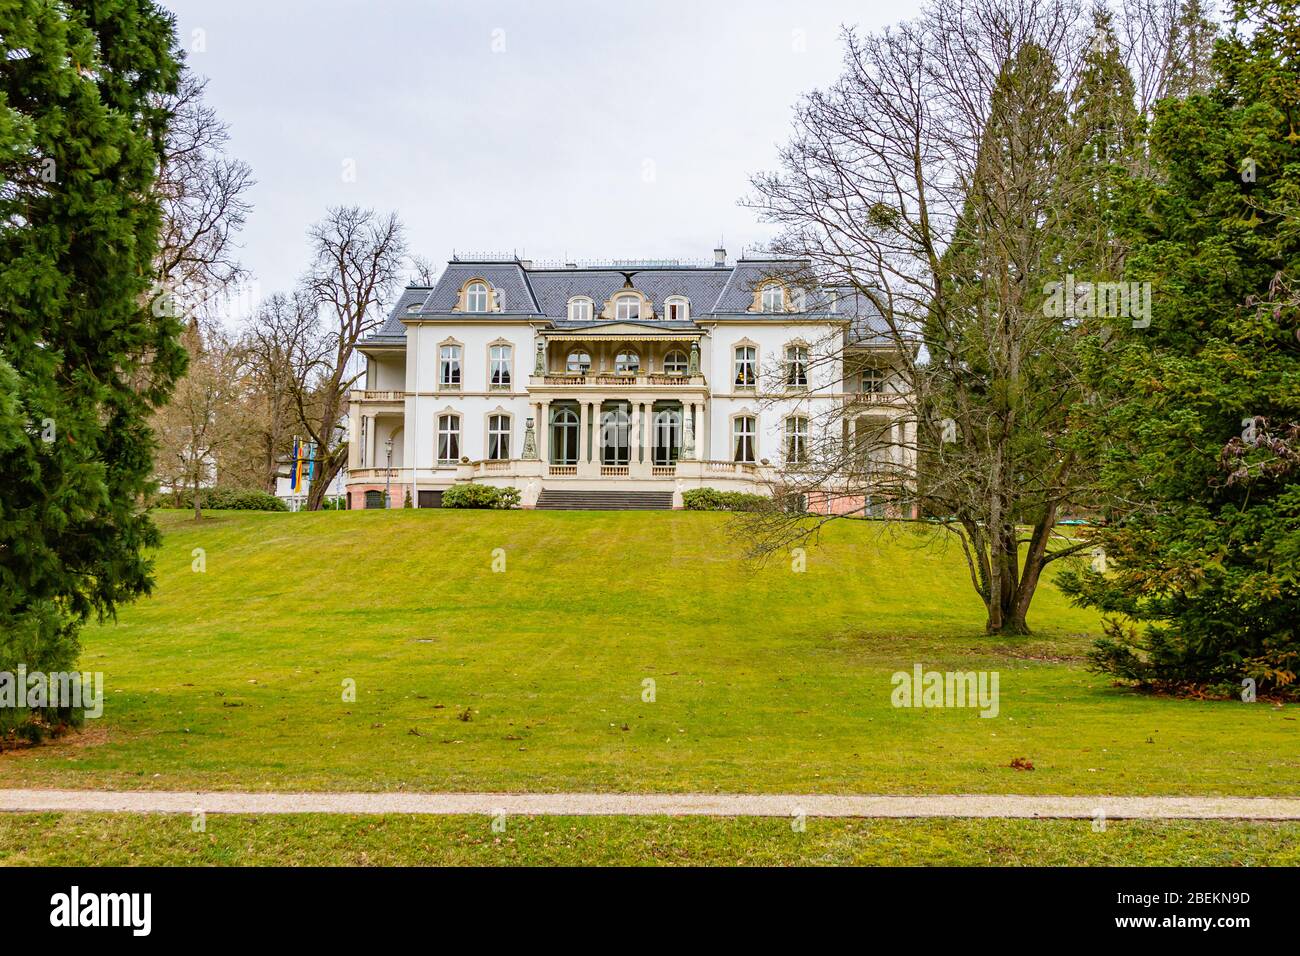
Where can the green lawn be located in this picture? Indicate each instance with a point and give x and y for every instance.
(532, 679)
(76, 839)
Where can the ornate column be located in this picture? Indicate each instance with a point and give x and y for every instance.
(545, 427)
(539, 368)
(701, 432)
(583, 440)
(688, 431)
(633, 433)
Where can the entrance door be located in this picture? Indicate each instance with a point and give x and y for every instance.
(615, 435)
(564, 437)
(668, 436)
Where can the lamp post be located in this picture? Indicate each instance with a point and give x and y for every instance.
(388, 472)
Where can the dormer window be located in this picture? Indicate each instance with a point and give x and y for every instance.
(415, 306)
(677, 309)
(627, 308)
(579, 309)
(773, 298)
(476, 297)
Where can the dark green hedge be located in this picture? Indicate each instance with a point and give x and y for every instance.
(232, 499)
(480, 496)
(711, 499)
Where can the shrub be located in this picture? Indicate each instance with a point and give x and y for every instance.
(232, 499)
(480, 496)
(712, 499)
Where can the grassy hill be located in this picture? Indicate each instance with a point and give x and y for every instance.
(533, 677)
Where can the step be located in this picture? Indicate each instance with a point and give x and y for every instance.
(553, 500)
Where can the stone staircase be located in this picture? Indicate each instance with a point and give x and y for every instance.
(553, 500)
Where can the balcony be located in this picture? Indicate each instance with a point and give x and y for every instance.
(654, 381)
(376, 396)
(875, 398)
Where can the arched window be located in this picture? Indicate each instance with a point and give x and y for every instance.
(476, 297)
(796, 365)
(677, 308)
(564, 437)
(773, 297)
(743, 432)
(448, 438)
(498, 437)
(615, 434)
(675, 362)
(627, 308)
(667, 436)
(746, 366)
(796, 439)
(579, 309)
(627, 362)
(579, 363)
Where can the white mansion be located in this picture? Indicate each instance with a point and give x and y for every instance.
(621, 385)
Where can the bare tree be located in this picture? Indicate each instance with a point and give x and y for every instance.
(933, 187)
(423, 271)
(280, 347)
(202, 190)
(205, 418)
(1167, 46)
(357, 262)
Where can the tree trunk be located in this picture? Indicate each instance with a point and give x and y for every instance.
(198, 508)
(326, 469)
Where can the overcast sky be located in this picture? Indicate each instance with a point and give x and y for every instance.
(557, 130)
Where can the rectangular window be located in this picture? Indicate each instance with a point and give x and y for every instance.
(500, 366)
(796, 365)
(743, 430)
(746, 367)
(498, 437)
(448, 438)
(449, 366)
(627, 308)
(796, 440)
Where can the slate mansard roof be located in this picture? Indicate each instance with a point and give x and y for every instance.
(543, 294)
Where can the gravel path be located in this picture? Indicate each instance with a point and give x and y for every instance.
(657, 804)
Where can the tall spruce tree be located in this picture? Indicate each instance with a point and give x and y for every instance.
(1200, 438)
(80, 142)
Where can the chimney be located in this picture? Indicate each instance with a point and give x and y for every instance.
(526, 263)
(570, 265)
(719, 256)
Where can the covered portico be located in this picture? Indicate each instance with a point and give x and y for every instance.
(618, 400)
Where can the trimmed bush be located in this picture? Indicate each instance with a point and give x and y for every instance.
(712, 499)
(231, 499)
(480, 496)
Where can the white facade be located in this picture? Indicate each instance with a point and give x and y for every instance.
(657, 378)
